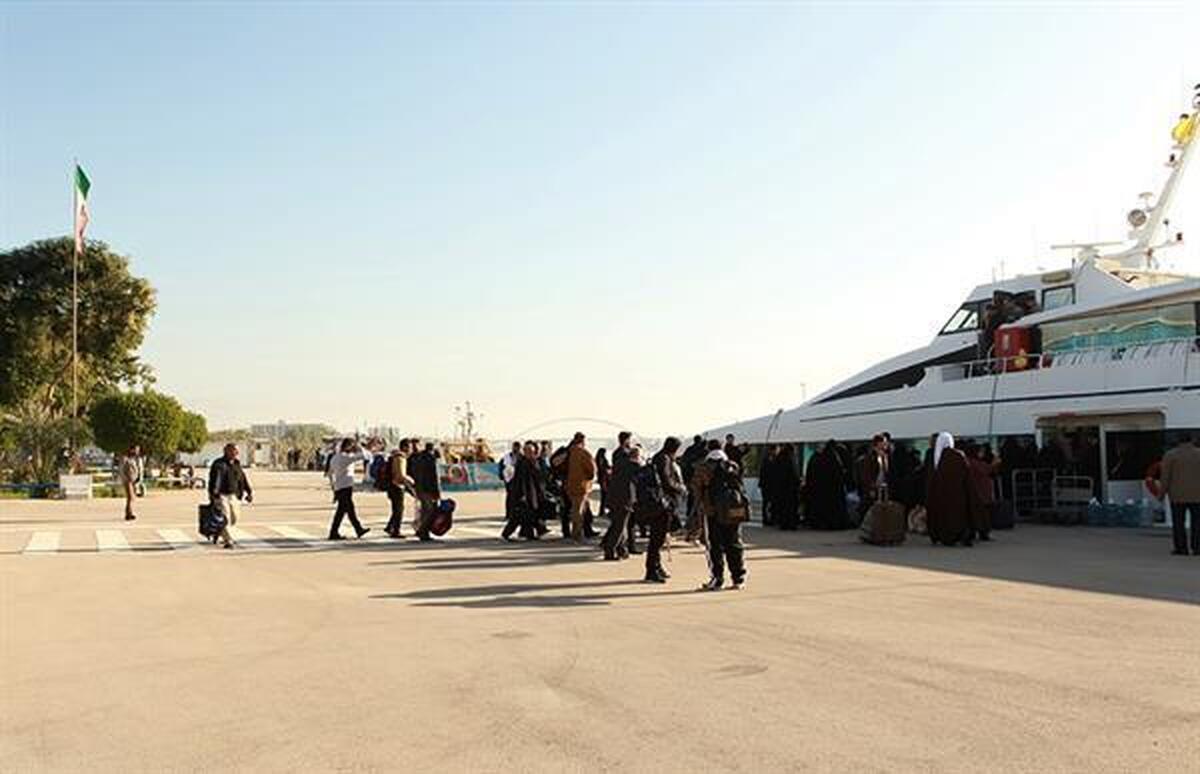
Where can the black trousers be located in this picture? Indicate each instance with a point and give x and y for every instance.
(345, 508)
(619, 536)
(428, 505)
(725, 547)
(396, 496)
(520, 517)
(659, 524)
(510, 500)
(1179, 528)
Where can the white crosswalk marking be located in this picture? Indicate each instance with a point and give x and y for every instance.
(177, 539)
(111, 540)
(294, 533)
(477, 530)
(248, 540)
(43, 543)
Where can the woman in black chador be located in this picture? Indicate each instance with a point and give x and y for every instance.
(825, 490)
(785, 494)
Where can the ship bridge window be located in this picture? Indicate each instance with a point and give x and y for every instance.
(965, 319)
(1054, 298)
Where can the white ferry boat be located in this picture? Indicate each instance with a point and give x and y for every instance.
(1102, 354)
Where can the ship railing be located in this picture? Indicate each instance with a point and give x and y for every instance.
(1047, 496)
(1168, 348)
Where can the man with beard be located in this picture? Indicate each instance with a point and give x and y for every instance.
(950, 495)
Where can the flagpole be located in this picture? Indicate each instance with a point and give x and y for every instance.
(77, 245)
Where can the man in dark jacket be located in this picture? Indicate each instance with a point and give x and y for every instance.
(227, 487)
(658, 516)
(424, 473)
(621, 498)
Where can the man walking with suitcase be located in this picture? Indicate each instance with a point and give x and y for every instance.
(227, 487)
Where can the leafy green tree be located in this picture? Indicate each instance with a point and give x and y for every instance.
(194, 433)
(149, 419)
(32, 443)
(35, 328)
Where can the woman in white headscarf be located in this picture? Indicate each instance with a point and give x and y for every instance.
(950, 495)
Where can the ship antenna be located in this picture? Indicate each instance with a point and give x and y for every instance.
(1146, 219)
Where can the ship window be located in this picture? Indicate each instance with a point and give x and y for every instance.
(1054, 298)
(965, 319)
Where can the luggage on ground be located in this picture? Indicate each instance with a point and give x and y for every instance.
(918, 521)
(211, 522)
(885, 523)
(443, 517)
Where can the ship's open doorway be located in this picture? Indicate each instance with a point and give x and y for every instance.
(1114, 450)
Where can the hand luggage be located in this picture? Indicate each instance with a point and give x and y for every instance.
(1004, 514)
(885, 523)
(211, 521)
(918, 521)
(443, 517)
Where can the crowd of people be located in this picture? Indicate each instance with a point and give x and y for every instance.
(950, 489)
(641, 496)
(953, 493)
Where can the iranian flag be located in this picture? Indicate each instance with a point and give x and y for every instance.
(82, 186)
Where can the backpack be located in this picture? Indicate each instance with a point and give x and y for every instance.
(381, 472)
(646, 487)
(558, 461)
(728, 493)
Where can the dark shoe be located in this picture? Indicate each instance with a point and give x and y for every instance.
(609, 556)
(426, 538)
(337, 536)
(130, 517)
(713, 584)
(654, 577)
(739, 583)
(363, 531)
(1179, 553)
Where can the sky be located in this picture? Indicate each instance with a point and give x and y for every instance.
(669, 216)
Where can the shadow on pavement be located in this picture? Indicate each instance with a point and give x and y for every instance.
(525, 595)
(1128, 562)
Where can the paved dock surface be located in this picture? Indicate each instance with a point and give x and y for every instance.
(138, 648)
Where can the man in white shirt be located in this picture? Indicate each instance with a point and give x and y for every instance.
(341, 474)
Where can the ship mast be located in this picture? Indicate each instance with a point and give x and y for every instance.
(1147, 219)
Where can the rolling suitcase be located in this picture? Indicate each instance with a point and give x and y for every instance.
(885, 523)
(211, 521)
(443, 517)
